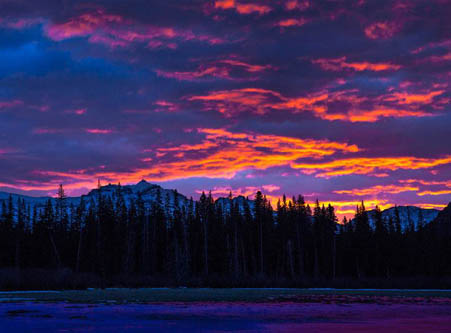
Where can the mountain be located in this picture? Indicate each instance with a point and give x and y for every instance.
(407, 215)
(226, 203)
(442, 223)
(149, 193)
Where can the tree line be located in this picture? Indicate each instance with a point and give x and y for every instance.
(108, 236)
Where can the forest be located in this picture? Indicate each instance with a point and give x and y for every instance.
(108, 241)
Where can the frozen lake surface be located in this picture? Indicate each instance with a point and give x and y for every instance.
(305, 313)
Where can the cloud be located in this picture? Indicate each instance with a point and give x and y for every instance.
(116, 31)
(437, 187)
(41, 131)
(440, 192)
(21, 23)
(413, 98)
(378, 189)
(339, 64)
(347, 105)
(10, 104)
(427, 182)
(224, 69)
(297, 4)
(156, 68)
(369, 165)
(242, 8)
(98, 131)
(220, 154)
(78, 112)
(381, 30)
(292, 22)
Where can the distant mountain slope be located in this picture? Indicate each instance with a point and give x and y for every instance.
(442, 223)
(149, 193)
(225, 203)
(407, 215)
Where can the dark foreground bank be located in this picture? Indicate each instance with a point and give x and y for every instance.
(66, 279)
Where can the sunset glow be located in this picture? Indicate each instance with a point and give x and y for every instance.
(338, 102)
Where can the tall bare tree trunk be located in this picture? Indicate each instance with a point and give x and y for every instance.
(334, 257)
(235, 252)
(290, 258)
(300, 251)
(55, 250)
(261, 247)
(80, 240)
(316, 264)
(205, 247)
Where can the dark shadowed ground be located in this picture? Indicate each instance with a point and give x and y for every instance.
(217, 310)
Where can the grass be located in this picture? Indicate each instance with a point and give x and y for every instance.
(156, 295)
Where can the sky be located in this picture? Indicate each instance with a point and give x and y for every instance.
(340, 101)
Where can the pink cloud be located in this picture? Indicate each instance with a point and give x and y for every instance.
(381, 30)
(40, 131)
(354, 107)
(242, 8)
(10, 104)
(338, 64)
(292, 22)
(297, 4)
(78, 112)
(115, 31)
(163, 105)
(21, 23)
(98, 131)
(220, 69)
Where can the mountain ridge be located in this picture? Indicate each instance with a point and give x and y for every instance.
(149, 194)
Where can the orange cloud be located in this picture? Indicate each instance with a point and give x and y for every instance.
(291, 22)
(406, 98)
(431, 206)
(225, 153)
(243, 8)
(250, 8)
(358, 115)
(447, 183)
(377, 189)
(225, 4)
(295, 4)
(381, 30)
(369, 165)
(441, 192)
(440, 58)
(348, 208)
(337, 64)
(220, 154)
(231, 102)
(354, 107)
